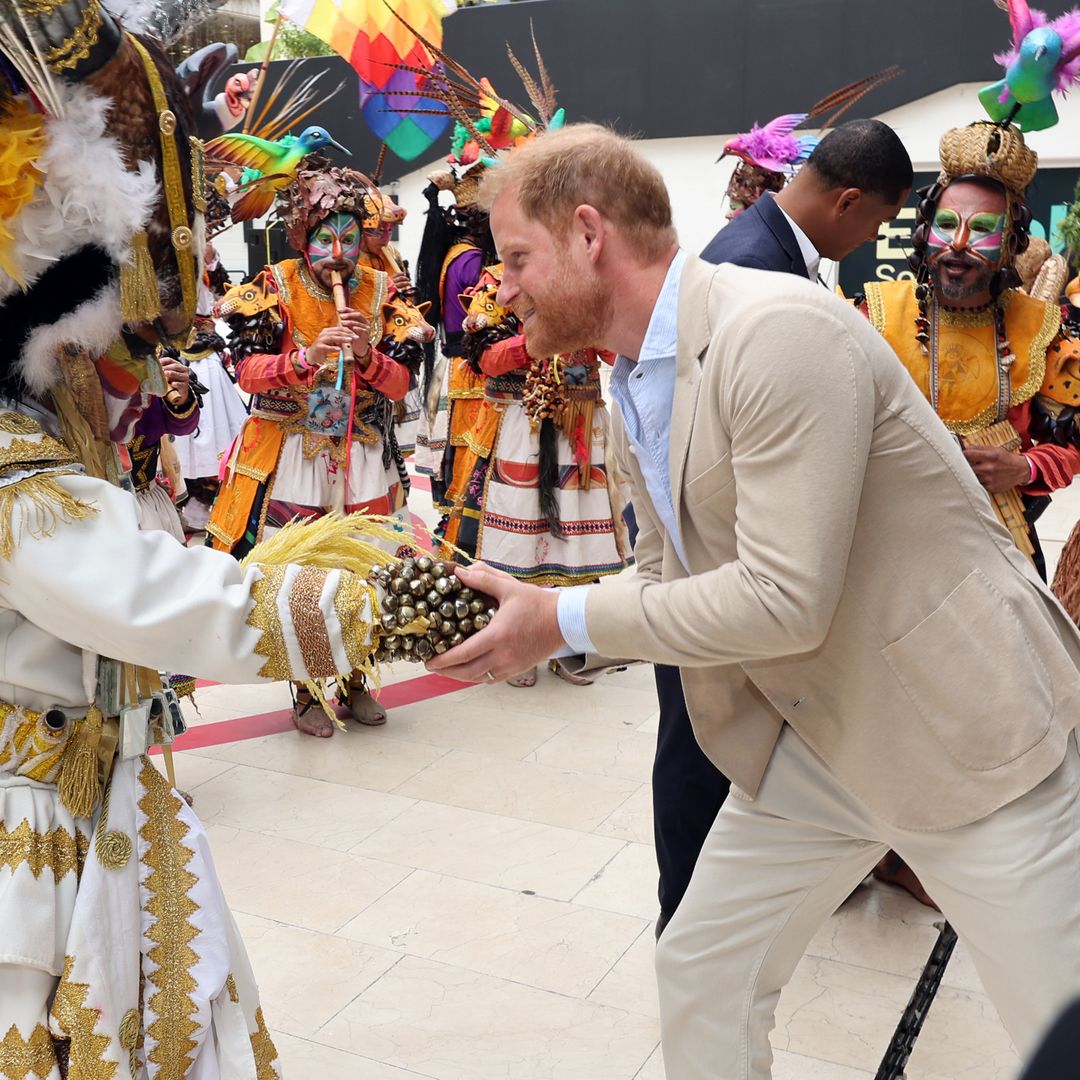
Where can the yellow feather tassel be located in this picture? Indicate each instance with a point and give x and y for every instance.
(22, 141)
(332, 542)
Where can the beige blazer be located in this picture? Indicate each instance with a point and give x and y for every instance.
(846, 572)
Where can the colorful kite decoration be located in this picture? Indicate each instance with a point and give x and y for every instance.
(368, 36)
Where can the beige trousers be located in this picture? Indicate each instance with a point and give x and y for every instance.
(775, 868)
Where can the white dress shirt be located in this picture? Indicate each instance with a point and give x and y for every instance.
(644, 391)
(810, 254)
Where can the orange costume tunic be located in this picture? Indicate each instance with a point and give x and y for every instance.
(1044, 376)
(299, 414)
(461, 392)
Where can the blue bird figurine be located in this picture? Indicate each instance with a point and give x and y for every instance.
(1044, 57)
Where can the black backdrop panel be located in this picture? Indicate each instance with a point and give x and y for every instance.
(704, 67)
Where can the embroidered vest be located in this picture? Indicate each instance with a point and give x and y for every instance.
(967, 367)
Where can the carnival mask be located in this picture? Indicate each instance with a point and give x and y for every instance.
(980, 233)
(335, 239)
(747, 184)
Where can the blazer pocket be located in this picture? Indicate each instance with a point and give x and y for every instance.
(972, 673)
(710, 481)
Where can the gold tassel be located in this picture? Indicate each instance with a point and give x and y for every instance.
(78, 431)
(49, 504)
(139, 298)
(79, 786)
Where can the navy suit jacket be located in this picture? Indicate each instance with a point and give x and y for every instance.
(760, 238)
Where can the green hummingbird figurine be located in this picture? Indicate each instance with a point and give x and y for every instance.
(276, 161)
(1044, 58)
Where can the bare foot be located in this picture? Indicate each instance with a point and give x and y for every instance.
(309, 718)
(892, 870)
(364, 709)
(526, 678)
(574, 680)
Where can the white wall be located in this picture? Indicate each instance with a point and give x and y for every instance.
(697, 182)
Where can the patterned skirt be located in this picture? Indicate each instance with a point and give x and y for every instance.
(497, 517)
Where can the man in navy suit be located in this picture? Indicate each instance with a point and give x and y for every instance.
(857, 178)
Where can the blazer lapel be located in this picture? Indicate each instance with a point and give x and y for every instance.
(693, 341)
(778, 225)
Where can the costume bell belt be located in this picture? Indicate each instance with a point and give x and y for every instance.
(75, 748)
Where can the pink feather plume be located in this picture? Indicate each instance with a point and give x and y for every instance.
(773, 146)
(1024, 19)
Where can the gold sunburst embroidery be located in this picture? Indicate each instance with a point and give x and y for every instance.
(77, 1022)
(264, 1050)
(266, 617)
(169, 884)
(56, 850)
(20, 1058)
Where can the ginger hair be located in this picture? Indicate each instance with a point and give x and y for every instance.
(586, 164)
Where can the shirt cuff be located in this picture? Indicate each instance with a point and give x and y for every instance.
(1034, 469)
(571, 613)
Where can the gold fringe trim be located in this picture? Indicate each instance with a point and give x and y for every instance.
(50, 505)
(875, 306)
(140, 300)
(80, 407)
(79, 785)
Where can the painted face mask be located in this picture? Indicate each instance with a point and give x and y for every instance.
(337, 238)
(981, 234)
(747, 184)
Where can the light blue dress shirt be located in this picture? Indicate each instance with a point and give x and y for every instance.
(645, 393)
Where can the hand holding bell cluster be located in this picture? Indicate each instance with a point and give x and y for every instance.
(426, 609)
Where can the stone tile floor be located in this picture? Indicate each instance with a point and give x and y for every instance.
(469, 892)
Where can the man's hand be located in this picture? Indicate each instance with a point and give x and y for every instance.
(359, 325)
(330, 339)
(178, 377)
(998, 470)
(524, 632)
(401, 282)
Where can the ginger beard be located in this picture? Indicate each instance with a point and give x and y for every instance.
(549, 281)
(569, 311)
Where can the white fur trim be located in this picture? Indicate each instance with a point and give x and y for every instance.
(94, 325)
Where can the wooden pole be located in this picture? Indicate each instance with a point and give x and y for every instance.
(262, 74)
